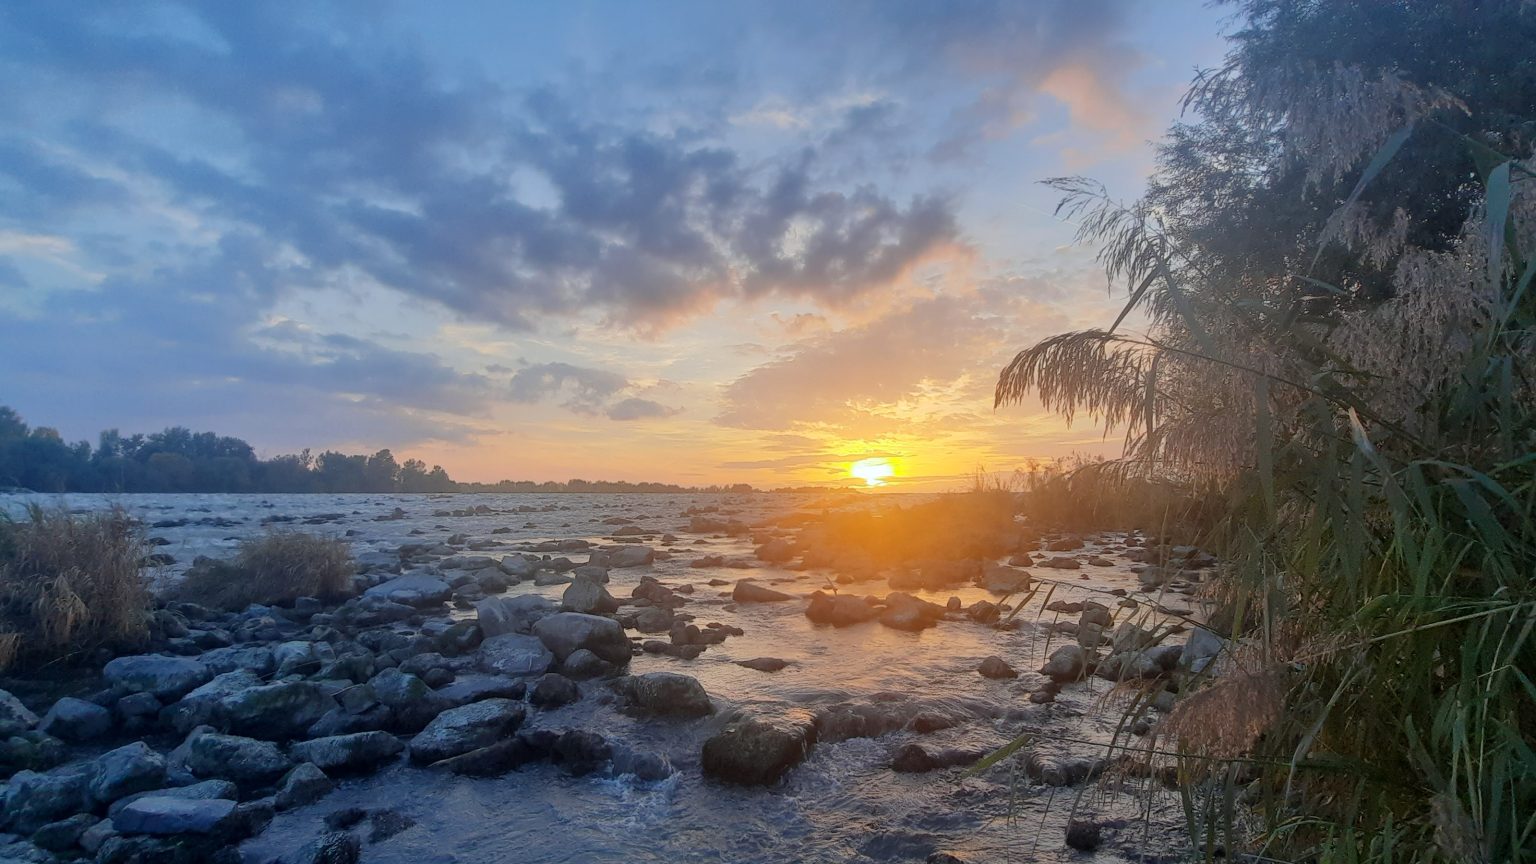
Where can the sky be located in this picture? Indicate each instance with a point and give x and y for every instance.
(692, 242)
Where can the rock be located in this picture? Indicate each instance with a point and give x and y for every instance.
(158, 815)
(246, 761)
(1061, 562)
(469, 688)
(1067, 663)
(583, 664)
(840, 610)
(14, 716)
(775, 552)
(415, 589)
(565, 632)
(666, 693)
(335, 847)
(1083, 835)
(588, 597)
(631, 556)
(274, 711)
(168, 678)
(355, 753)
(747, 591)
(396, 689)
(202, 791)
(470, 727)
(983, 612)
(1004, 580)
(554, 690)
(996, 667)
(643, 766)
(1203, 647)
(581, 752)
(63, 835)
(137, 706)
(653, 619)
(98, 833)
(201, 706)
(514, 654)
(305, 784)
(492, 761)
(32, 800)
(460, 638)
(758, 751)
(76, 720)
(913, 759)
(128, 769)
(905, 612)
(1095, 613)
(763, 664)
(1064, 544)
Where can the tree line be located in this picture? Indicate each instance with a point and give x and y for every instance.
(38, 459)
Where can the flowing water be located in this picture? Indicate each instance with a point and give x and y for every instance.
(842, 804)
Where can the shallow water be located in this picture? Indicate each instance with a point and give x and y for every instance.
(842, 804)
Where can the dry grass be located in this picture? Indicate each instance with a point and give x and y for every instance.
(276, 568)
(69, 583)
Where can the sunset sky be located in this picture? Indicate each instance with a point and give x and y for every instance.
(689, 242)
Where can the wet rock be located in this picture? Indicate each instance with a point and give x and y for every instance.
(415, 589)
(905, 612)
(763, 664)
(565, 632)
(274, 711)
(14, 716)
(494, 760)
(589, 597)
(469, 688)
(335, 847)
(1202, 648)
(499, 616)
(167, 678)
(63, 835)
(775, 552)
(355, 753)
(583, 664)
(514, 655)
(653, 619)
(128, 769)
(983, 612)
(912, 759)
(1095, 613)
(1061, 562)
(643, 766)
(32, 800)
(631, 556)
(1083, 835)
(997, 668)
(666, 693)
(1004, 580)
(396, 689)
(1067, 663)
(747, 591)
(246, 761)
(1064, 544)
(470, 727)
(386, 823)
(203, 790)
(304, 784)
(855, 720)
(757, 751)
(157, 815)
(581, 752)
(1055, 770)
(76, 720)
(460, 638)
(554, 690)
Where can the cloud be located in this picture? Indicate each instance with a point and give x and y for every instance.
(586, 390)
(638, 409)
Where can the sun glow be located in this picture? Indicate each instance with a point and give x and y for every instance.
(874, 471)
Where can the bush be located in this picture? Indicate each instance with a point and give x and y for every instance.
(69, 583)
(278, 567)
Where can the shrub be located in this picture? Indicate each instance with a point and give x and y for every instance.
(69, 583)
(278, 567)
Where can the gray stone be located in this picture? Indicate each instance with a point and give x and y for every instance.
(138, 705)
(758, 751)
(397, 689)
(14, 716)
(554, 690)
(160, 816)
(246, 761)
(128, 769)
(514, 654)
(414, 589)
(470, 727)
(361, 751)
(335, 847)
(167, 678)
(203, 790)
(1067, 663)
(76, 720)
(32, 800)
(588, 596)
(631, 556)
(305, 784)
(63, 835)
(201, 706)
(473, 688)
(840, 610)
(565, 632)
(499, 616)
(665, 693)
(274, 711)
(997, 668)
(747, 591)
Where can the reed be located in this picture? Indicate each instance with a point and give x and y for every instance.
(276, 568)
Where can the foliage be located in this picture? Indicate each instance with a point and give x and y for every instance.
(1351, 356)
(69, 584)
(276, 568)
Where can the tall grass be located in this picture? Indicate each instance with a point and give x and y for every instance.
(69, 583)
(1383, 537)
(278, 567)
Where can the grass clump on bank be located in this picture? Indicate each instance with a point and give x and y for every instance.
(276, 568)
(69, 583)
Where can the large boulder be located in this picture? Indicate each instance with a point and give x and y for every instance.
(274, 711)
(565, 632)
(747, 591)
(128, 769)
(256, 658)
(32, 800)
(473, 687)
(499, 616)
(397, 689)
(415, 589)
(1067, 663)
(163, 815)
(588, 596)
(360, 752)
(244, 760)
(665, 693)
(999, 579)
(76, 720)
(905, 612)
(1203, 647)
(515, 655)
(757, 751)
(201, 706)
(631, 556)
(168, 678)
(840, 610)
(305, 784)
(470, 727)
(14, 716)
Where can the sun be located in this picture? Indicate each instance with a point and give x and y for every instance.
(873, 472)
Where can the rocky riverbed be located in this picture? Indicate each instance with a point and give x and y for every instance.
(594, 678)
